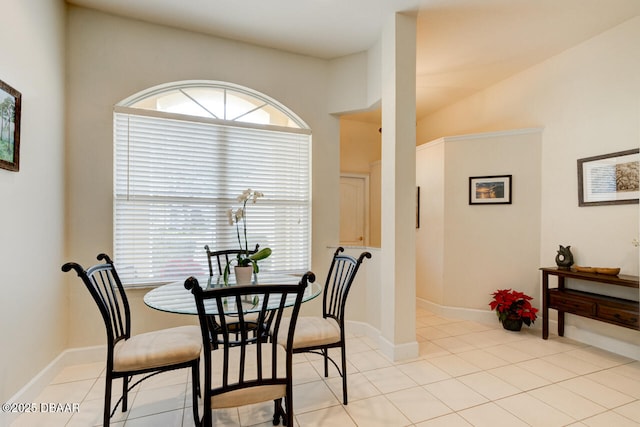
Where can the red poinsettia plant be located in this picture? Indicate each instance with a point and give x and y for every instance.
(513, 304)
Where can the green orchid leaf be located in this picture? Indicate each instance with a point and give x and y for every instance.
(226, 274)
(261, 254)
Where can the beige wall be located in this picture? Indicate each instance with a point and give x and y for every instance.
(430, 177)
(33, 307)
(375, 204)
(587, 99)
(112, 58)
(465, 252)
(360, 152)
(360, 145)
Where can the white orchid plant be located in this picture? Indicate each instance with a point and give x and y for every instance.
(235, 217)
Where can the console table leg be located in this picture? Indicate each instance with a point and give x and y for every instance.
(560, 313)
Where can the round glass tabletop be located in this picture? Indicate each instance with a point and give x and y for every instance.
(174, 298)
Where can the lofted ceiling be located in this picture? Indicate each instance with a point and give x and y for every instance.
(463, 46)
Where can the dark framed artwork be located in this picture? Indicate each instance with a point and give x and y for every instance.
(609, 179)
(10, 104)
(490, 190)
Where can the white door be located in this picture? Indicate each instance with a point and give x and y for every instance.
(354, 210)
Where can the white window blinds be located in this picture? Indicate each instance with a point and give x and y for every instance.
(175, 180)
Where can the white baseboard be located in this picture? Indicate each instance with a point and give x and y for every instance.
(399, 352)
(69, 357)
(604, 342)
(482, 316)
(361, 328)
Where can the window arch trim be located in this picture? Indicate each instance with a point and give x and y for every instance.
(198, 119)
(126, 105)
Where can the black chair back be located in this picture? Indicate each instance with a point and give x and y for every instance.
(241, 355)
(107, 291)
(341, 274)
(222, 257)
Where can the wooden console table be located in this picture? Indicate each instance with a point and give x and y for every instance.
(617, 311)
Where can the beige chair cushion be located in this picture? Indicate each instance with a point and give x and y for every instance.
(157, 349)
(250, 395)
(248, 317)
(311, 332)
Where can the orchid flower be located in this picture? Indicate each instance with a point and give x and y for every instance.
(236, 217)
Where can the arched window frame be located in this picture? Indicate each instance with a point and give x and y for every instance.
(176, 175)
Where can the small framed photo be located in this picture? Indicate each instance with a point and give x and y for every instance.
(609, 179)
(490, 190)
(10, 104)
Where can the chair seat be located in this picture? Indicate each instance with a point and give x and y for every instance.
(247, 396)
(248, 317)
(312, 331)
(158, 348)
(234, 325)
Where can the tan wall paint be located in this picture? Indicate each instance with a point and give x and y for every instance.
(360, 152)
(112, 58)
(430, 177)
(469, 251)
(587, 99)
(375, 204)
(33, 307)
(360, 145)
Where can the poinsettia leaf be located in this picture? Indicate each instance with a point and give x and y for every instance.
(508, 302)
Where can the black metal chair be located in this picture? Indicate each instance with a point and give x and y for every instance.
(222, 257)
(319, 334)
(247, 366)
(149, 353)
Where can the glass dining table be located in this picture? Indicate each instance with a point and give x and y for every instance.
(174, 298)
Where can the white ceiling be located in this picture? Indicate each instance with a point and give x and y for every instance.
(463, 46)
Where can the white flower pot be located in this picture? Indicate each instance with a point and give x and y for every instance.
(243, 275)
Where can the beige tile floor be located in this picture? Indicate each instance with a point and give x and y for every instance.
(467, 374)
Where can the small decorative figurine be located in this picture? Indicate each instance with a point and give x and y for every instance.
(564, 259)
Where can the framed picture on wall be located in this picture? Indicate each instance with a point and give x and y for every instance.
(10, 103)
(490, 190)
(609, 179)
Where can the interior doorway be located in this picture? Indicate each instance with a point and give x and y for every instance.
(354, 210)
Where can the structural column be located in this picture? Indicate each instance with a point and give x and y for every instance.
(398, 291)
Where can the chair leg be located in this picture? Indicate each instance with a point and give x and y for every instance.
(325, 352)
(287, 419)
(278, 413)
(125, 395)
(344, 373)
(107, 400)
(207, 420)
(195, 390)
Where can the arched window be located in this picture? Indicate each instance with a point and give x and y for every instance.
(183, 153)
